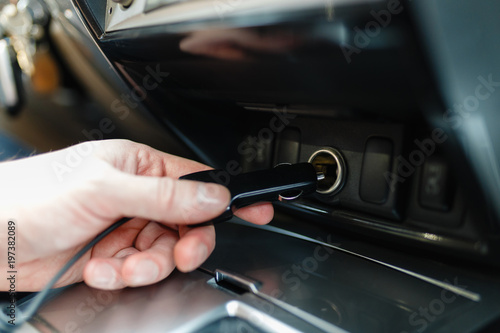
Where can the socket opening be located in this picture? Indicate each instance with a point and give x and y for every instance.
(329, 161)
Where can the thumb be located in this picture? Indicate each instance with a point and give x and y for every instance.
(165, 199)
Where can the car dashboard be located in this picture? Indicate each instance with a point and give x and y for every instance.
(395, 102)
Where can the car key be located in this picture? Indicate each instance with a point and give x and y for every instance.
(283, 182)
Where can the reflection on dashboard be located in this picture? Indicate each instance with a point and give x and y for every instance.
(237, 44)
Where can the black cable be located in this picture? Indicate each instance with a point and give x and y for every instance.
(41, 297)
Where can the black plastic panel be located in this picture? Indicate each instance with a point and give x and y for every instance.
(387, 90)
(377, 163)
(437, 185)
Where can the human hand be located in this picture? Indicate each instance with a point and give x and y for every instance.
(61, 200)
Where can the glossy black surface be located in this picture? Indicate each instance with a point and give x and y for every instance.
(347, 283)
(249, 188)
(352, 292)
(252, 89)
(219, 82)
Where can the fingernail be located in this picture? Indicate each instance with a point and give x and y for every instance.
(200, 255)
(104, 276)
(145, 272)
(210, 195)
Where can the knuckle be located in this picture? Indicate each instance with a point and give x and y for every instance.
(165, 196)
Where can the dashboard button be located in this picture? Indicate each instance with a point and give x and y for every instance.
(436, 186)
(377, 161)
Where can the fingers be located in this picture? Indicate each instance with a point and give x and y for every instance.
(261, 213)
(172, 201)
(104, 273)
(150, 265)
(194, 247)
(157, 198)
(140, 159)
(157, 251)
(150, 261)
(161, 199)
